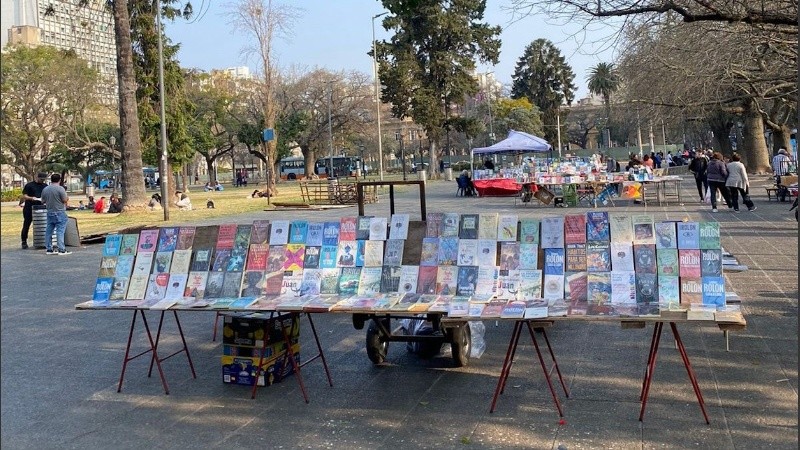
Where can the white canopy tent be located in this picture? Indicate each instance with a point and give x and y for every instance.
(517, 142)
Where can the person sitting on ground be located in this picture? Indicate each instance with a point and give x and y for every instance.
(90, 203)
(218, 186)
(155, 200)
(81, 206)
(115, 207)
(260, 194)
(207, 187)
(100, 206)
(182, 201)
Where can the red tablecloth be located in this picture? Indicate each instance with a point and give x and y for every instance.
(497, 187)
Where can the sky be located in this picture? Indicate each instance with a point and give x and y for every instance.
(337, 34)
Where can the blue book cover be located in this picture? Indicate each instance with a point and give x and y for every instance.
(102, 289)
(314, 235)
(298, 231)
(168, 239)
(112, 245)
(448, 251)
(597, 226)
(429, 255)
(688, 235)
(713, 291)
(330, 233)
(709, 235)
(529, 256)
(710, 262)
(361, 244)
(553, 261)
(327, 259)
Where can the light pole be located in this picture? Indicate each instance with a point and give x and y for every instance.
(164, 163)
(330, 129)
(399, 136)
(113, 141)
(377, 94)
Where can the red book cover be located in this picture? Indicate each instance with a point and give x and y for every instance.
(574, 229)
(257, 257)
(689, 263)
(185, 238)
(347, 229)
(426, 281)
(226, 236)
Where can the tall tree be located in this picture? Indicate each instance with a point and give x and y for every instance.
(543, 76)
(427, 66)
(603, 80)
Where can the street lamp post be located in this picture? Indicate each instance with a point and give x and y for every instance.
(377, 94)
(113, 141)
(399, 136)
(164, 163)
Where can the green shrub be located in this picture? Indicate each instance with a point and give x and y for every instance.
(11, 195)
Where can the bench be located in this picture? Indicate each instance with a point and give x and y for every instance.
(771, 190)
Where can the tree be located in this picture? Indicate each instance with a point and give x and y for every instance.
(427, 66)
(604, 81)
(543, 76)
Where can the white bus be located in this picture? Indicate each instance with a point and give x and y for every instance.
(292, 168)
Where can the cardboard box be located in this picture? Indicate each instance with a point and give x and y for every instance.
(251, 330)
(255, 352)
(242, 370)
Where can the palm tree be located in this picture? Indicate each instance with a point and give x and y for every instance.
(604, 81)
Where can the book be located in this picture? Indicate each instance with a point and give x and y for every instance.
(553, 286)
(449, 225)
(507, 227)
(729, 313)
(201, 259)
(112, 245)
(529, 231)
(458, 307)
(221, 258)
(530, 284)
(298, 231)
(576, 285)
(348, 281)
(621, 228)
(393, 256)
(448, 251)
(390, 279)
(369, 282)
(124, 266)
(119, 288)
(312, 257)
(226, 237)
(574, 257)
(232, 284)
(257, 257)
(691, 290)
(347, 254)
(701, 312)
(129, 244)
(493, 309)
(242, 302)
(666, 236)
(214, 281)
(314, 234)
(168, 239)
(378, 228)
(406, 302)
(327, 259)
(360, 252)
(329, 285)
(399, 226)
(181, 261)
(429, 253)
(553, 261)
(237, 260)
(148, 239)
(241, 241)
(373, 253)
(713, 290)
(409, 276)
(486, 286)
(278, 232)
(330, 233)
(162, 262)
(295, 254)
(668, 290)
(509, 255)
(320, 304)
(163, 304)
(222, 302)
(709, 235)
(598, 288)
(467, 252)
(137, 286)
(176, 286)
(196, 285)
(622, 256)
(710, 262)
(361, 302)
(507, 284)
(688, 235)
(598, 227)
(446, 280)
(475, 309)
(487, 252)
(157, 286)
(441, 304)
(205, 237)
(290, 285)
(667, 262)
(426, 280)
(487, 226)
(144, 261)
(467, 280)
(102, 289)
(528, 256)
(276, 257)
(362, 228)
(644, 257)
(260, 232)
(574, 228)
(424, 303)
(689, 263)
(433, 224)
(468, 226)
(643, 229)
(253, 282)
(347, 228)
(108, 266)
(185, 238)
(623, 287)
(598, 256)
(536, 309)
(552, 232)
(646, 288)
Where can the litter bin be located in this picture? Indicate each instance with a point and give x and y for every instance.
(448, 174)
(40, 226)
(90, 190)
(423, 175)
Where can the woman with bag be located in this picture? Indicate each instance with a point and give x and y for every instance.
(738, 183)
(717, 173)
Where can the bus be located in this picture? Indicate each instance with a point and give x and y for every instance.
(292, 168)
(343, 166)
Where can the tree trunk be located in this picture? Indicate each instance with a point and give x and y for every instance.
(133, 191)
(310, 156)
(755, 146)
(721, 133)
(212, 175)
(782, 139)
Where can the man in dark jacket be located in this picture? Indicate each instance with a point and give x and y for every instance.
(698, 168)
(717, 173)
(32, 196)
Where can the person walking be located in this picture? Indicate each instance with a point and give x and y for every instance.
(698, 167)
(738, 183)
(31, 196)
(717, 173)
(55, 198)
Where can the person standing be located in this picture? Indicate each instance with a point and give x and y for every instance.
(55, 198)
(780, 167)
(738, 183)
(31, 196)
(716, 174)
(698, 167)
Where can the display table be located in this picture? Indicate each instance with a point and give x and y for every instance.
(497, 187)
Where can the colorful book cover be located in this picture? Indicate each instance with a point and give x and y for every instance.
(393, 255)
(102, 289)
(390, 279)
(124, 266)
(667, 262)
(108, 266)
(529, 231)
(691, 290)
(330, 281)
(468, 226)
(553, 262)
(312, 282)
(157, 286)
(278, 232)
(621, 228)
(148, 239)
(237, 260)
(257, 257)
(507, 284)
(327, 257)
(129, 244)
(330, 233)
(467, 280)
(536, 308)
(646, 288)
(242, 240)
(112, 245)
(314, 234)
(643, 229)
(424, 303)
(295, 253)
(487, 252)
(162, 262)
(347, 254)
(221, 259)
(312, 257)
(486, 286)
(232, 284)
(528, 256)
(291, 283)
(487, 226)
(361, 249)
(119, 288)
(369, 282)
(433, 224)
(574, 228)
(347, 228)
(475, 309)
(644, 256)
(196, 285)
(509, 255)
(553, 287)
(467, 252)
(713, 291)
(181, 261)
(709, 235)
(669, 292)
(348, 281)
(143, 264)
(168, 239)
(276, 258)
(576, 286)
(598, 256)
(441, 304)
(260, 232)
(623, 287)
(176, 286)
(362, 228)
(458, 307)
(574, 258)
(622, 256)
(449, 225)
(598, 227)
(494, 308)
(552, 232)
(206, 237)
(226, 236)
(409, 276)
(378, 227)
(185, 238)
(530, 284)
(666, 236)
(688, 235)
(406, 302)
(426, 281)
(710, 262)
(689, 263)
(137, 286)
(446, 280)
(373, 253)
(298, 231)
(399, 226)
(507, 227)
(448, 251)
(429, 254)
(273, 283)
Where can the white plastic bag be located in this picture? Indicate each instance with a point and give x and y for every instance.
(478, 345)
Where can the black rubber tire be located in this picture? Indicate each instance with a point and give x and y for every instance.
(377, 345)
(291, 176)
(359, 320)
(461, 344)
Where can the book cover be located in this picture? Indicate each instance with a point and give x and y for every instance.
(529, 231)
(646, 288)
(468, 226)
(260, 232)
(623, 287)
(441, 304)
(574, 228)
(689, 263)
(713, 291)
(552, 232)
(221, 258)
(237, 260)
(347, 254)
(330, 233)
(253, 282)
(446, 280)
(361, 248)
(232, 284)
(574, 258)
(347, 228)
(448, 251)
(278, 232)
(598, 256)
(201, 259)
(688, 235)
(691, 290)
(298, 231)
(486, 286)
(487, 252)
(102, 289)
(176, 286)
(148, 240)
(449, 225)
(119, 288)
(494, 308)
(129, 244)
(667, 262)
(378, 228)
(164, 303)
(257, 257)
(276, 258)
(507, 284)
(124, 266)
(157, 286)
(536, 309)
(424, 303)
(206, 236)
(242, 240)
(666, 236)
(362, 228)
(320, 304)
(242, 303)
(467, 252)
(507, 227)
(429, 253)
(369, 282)
(314, 234)
(709, 235)
(196, 285)
(399, 226)
(108, 266)
(426, 280)
(291, 283)
(598, 287)
(348, 281)
(112, 245)
(475, 309)
(509, 255)
(328, 257)
(312, 257)
(669, 292)
(458, 307)
(214, 281)
(710, 262)
(598, 227)
(622, 256)
(295, 254)
(433, 224)
(390, 279)
(487, 226)
(530, 284)
(143, 264)
(644, 256)
(373, 253)
(467, 280)
(181, 261)
(329, 285)
(409, 276)
(553, 261)
(273, 282)
(226, 236)
(643, 229)
(393, 256)
(137, 286)
(576, 285)
(553, 286)
(406, 302)
(162, 262)
(528, 256)
(168, 239)
(621, 228)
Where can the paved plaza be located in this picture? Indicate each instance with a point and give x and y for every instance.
(60, 366)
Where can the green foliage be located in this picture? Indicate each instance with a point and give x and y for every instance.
(603, 80)
(10, 195)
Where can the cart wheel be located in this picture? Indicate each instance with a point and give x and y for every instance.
(461, 344)
(377, 345)
(359, 320)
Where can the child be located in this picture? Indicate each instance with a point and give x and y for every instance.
(81, 206)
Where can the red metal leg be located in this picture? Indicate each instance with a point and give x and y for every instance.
(158, 336)
(545, 371)
(151, 349)
(321, 354)
(649, 360)
(690, 371)
(127, 351)
(155, 353)
(290, 352)
(511, 360)
(216, 323)
(184, 349)
(555, 363)
(512, 344)
(648, 374)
